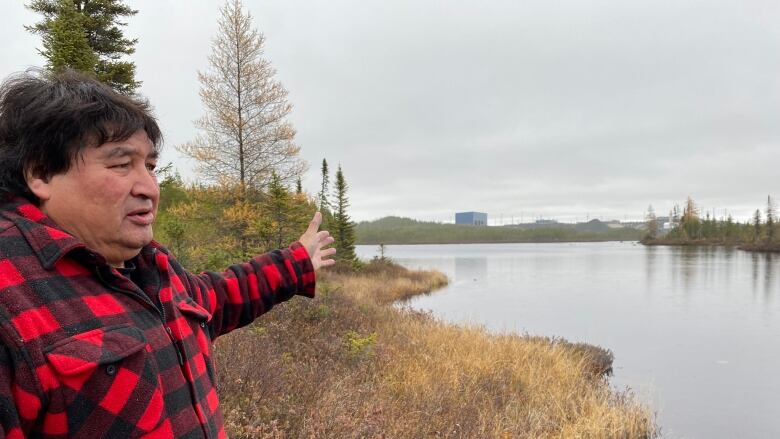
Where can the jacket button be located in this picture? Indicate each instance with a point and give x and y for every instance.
(110, 369)
(202, 324)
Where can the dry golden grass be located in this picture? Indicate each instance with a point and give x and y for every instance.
(348, 364)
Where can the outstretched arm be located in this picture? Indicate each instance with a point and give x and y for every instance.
(243, 292)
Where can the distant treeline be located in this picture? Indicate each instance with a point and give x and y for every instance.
(689, 228)
(395, 230)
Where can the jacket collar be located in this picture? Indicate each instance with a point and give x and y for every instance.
(46, 239)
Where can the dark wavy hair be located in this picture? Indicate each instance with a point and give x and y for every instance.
(47, 119)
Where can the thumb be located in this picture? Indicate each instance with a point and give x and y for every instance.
(315, 222)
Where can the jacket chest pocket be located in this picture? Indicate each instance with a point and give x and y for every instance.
(198, 336)
(197, 319)
(108, 382)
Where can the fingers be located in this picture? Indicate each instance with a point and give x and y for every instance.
(327, 262)
(315, 222)
(328, 240)
(324, 238)
(321, 257)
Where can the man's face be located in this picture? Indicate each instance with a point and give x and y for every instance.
(108, 198)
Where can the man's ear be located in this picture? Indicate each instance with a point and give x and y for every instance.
(38, 186)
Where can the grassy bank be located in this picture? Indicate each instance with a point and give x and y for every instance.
(349, 364)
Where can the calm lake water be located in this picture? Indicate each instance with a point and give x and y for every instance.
(695, 331)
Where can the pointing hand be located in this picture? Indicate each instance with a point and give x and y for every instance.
(314, 241)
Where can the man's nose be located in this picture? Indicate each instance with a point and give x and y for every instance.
(146, 184)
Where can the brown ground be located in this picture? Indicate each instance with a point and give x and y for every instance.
(349, 364)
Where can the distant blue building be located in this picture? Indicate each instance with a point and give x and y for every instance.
(471, 218)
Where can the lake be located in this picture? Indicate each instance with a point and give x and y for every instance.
(695, 330)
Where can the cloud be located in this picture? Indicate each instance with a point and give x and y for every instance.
(561, 108)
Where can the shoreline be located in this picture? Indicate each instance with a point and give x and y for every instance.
(350, 363)
(759, 248)
(501, 242)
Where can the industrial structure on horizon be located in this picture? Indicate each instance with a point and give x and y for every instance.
(471, 218)
(593, 225)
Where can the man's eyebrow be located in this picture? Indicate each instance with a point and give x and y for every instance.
(121, 151)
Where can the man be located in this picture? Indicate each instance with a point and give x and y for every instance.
(102, 332)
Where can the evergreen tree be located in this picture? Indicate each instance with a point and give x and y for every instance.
(343, 227)
(756, 225)
(730, 228)
(298, 186)
(690, 222)
(674, 215)
(770, 219)
(278, 207)
(66, 45)
(172, 193)
(708, 227)
(323, 195)
(652, 224)
(65, 25)
(245, 136)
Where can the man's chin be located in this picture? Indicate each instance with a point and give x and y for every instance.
(137, 242)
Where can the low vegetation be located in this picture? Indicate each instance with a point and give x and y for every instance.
(350, 364)
(394, 230)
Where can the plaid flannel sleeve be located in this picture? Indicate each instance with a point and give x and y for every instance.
(243, 292)
(20, 405)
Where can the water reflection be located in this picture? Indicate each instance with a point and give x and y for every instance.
(470, 269)
(726, 268)
(729, 252)
(769, 267)
(651, 254)
(684, 266)
(755, 269)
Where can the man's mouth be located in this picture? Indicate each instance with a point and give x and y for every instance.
(143, 217)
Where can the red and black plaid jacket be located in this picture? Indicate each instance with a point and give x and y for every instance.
(87, 352)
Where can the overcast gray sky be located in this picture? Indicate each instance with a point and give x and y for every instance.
(559, 109)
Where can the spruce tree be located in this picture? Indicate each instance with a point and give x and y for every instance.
(298, 186)
(756, 225)
(343, 227)
(770, 219)
(731, 228)
(652, 224)
(278, 206)
(100, 23)
(66, 45)
(323, 195)
(674, 216)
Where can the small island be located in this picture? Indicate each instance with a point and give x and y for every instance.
(686, 227)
